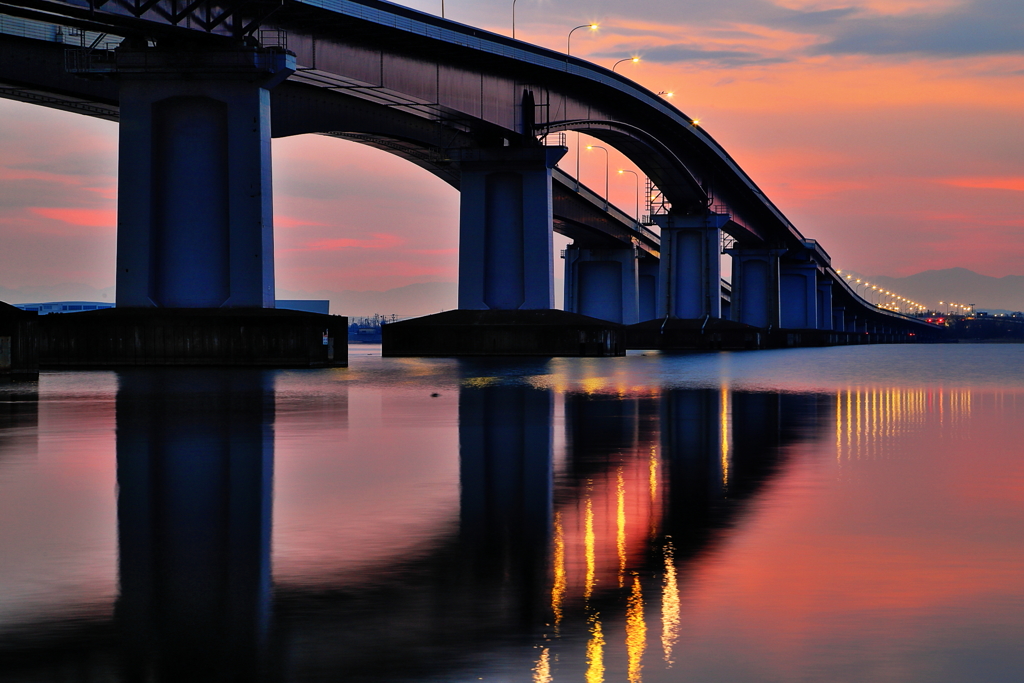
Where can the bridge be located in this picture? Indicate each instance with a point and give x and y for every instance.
(200, 88)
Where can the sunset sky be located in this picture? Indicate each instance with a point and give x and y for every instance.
(892, 131)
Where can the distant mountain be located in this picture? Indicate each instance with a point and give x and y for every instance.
(960, 285)
(412, 300)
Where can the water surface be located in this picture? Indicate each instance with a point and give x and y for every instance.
(841, 514)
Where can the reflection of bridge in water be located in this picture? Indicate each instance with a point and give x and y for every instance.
(558, 548)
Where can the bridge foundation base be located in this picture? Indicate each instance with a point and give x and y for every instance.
(19, 357)
(678, 334)
(210, 337)
(504, 333)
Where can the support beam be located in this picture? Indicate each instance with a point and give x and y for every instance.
(603, 283)
(505, 245)
(691, 275)
(195, 214)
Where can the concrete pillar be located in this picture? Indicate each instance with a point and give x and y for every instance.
(195, 215)
(691, 274)
(603, 283)
(798, 295)
(194, 477)
(825, 320)
(839, 318)
(755, 286)
(505, 243)
(648, 274)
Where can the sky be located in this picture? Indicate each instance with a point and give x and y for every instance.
(892, 131)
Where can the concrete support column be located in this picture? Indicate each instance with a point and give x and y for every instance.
(648, 275)
(505, 243)
(798, 295)
(195, 215)
(839, 318)
(755, 286)
(691, 275)
(603, 283)
(825, 321)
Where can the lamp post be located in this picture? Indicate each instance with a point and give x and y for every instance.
(627, 59)
(514, 19)
(568, 38)
(636, 180)
(605, 172)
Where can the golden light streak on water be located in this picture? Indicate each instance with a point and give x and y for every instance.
(595, 652)
(654, 474)
(620, 526)
(636, 632)
(542, 669)
(558, 586)
(588, 547)
(669, 605)
(724, 428)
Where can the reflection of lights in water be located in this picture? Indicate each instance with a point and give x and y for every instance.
(595, 652)
(636, 631)
(558, 588)
(867, 419)
(542, 669)
(593, 385)
(669, 604)
(620, 526)
(724, 429)
(654, 474)
(588, 545)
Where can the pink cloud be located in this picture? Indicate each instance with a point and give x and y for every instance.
(93, 218)
(987, 183)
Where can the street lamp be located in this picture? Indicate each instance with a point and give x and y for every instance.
(605, 172)
(514, 19)
(627, 59)
(666, 93)
(636, 179)
(592, 27)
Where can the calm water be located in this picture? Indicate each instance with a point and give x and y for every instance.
(845, 514)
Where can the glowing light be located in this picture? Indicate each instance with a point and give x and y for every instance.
(620, 532)
(636, 631)
(724, 427)
(595, 652)
(695, 122)
(558, 586)
(588, 547)
(669, 605)
(542, 669)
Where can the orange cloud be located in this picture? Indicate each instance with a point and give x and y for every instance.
(987, 183)
(92, 218)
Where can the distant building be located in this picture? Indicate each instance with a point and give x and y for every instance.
(64, 306)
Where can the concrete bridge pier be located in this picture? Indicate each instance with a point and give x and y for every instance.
(839, 318)
(825, 319)
(755, 286)
(195, 216)
(798, 295)
(505, 243)
(648, 274)
(690, 278)
(603, 283)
